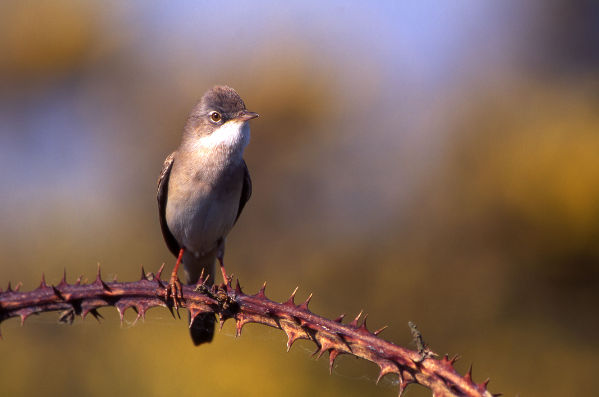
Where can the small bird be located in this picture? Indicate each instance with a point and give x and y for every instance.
(202, 190)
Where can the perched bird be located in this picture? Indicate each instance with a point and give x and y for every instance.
(202, 190)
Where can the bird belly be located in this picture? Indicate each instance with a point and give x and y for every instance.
(199, 218)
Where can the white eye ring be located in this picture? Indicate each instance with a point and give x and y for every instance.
(215, 117)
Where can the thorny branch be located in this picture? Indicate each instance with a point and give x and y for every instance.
(297, 321)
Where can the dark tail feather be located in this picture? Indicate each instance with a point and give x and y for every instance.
(202, 328)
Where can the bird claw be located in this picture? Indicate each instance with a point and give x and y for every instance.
(174, 291)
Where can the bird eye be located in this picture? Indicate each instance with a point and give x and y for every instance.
(215, 116)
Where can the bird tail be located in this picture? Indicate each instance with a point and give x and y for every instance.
(202, 327)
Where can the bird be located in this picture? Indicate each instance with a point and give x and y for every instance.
(203, 187)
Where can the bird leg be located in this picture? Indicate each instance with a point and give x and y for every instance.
(220, 255)
(174, 285)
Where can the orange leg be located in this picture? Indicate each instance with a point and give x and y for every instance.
(174, 285)
(222, 270)
(220, 255)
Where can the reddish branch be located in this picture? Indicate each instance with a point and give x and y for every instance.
(297, 321)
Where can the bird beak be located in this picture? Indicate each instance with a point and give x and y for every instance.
(246, 115)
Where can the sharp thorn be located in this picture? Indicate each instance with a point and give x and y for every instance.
(201, 279)
(96, 314)
(237, 287)
(9, 288)
(340, 318)
(159, 272)
(291, 300)
(99, 273)
(57, 293)
(304, 305)
(354, 322)
(468, 375)
(485, 383)
(170, 309)
(378, 331)
(43, 282)
(363, 327)
(262, 290)
(144, 276)
(333, 353)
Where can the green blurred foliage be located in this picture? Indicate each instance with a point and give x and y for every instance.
(484, 230)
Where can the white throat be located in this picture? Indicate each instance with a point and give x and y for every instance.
(229, 140)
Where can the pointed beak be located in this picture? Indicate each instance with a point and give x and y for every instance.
(246, 115)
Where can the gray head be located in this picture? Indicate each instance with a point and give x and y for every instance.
(219, 105)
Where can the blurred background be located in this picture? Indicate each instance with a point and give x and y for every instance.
(428, 161)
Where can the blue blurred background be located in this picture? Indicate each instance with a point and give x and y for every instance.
(426, 161)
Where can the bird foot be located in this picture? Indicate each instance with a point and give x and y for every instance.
(174, 291)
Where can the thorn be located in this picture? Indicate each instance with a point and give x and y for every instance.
(333, 353)
(78, 281)
(193, 313)
(98, 273)
(262, 290)
(9, 288)
(378, 331)
(144, 276)
(454, 359)
(170, 309)
(240, 321)
(96, 314)
(58, 294)
(237, 288)
(159, 272)
(324, 345)
(363, 329)
(291, 300)
(121, 309)
(354, 322)
(340, 318)
(304, 306)
(292, 336)
(468, 375)
(43, 283)
(23, 317)
(114, 278)
(402, 385)
(67, 316)
(63, 280)
(485, 384)
(99, 281)
(497, 395)
(201, 278)
(386, 367)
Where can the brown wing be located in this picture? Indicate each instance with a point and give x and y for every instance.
(246, 190)
(162, 196)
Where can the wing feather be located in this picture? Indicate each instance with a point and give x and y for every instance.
(162, 196)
